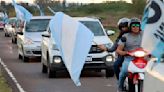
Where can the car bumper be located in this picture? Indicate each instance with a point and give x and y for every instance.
(32, 51)
(95, 64)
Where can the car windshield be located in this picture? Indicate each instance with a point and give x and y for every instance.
(95, 27)
(37, 25)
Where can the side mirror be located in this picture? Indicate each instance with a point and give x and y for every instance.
(20, 33)
(45, 34)
(110, 32)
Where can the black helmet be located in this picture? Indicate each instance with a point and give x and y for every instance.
(134, 21)
(123, 22)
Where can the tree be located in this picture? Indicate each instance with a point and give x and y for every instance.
(43, 1)
(138, 6)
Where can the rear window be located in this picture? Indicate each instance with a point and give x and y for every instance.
(37, 25)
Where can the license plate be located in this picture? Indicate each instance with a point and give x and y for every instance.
(88, 58)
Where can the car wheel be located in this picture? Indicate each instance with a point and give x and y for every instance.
(20, 57)
(109, 72)
(12, 40)
(44, 68)
(51, 73)
(25, 59)
(15, 41)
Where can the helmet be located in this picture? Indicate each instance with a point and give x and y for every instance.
(134, 21)
(123, 22)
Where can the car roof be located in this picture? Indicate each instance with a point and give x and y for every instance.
(41, 17)
(85, 19)
(12, 18)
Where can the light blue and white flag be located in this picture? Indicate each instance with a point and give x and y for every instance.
(153, 28)
(51, 10)
(73, 40)
(21, 12)
(5, 18)
(41, 12)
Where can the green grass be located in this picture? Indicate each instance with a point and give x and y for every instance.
(3, 84)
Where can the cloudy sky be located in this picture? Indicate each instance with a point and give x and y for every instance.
(75, 1)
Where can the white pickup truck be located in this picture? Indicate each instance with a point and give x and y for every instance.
(96, 60)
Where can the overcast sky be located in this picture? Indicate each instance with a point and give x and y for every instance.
(75, 1)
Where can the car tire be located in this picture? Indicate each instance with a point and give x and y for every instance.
(51, 73)
(109, 72)
(19, 56)
(44, 68)
(25, 59)
(12, 40)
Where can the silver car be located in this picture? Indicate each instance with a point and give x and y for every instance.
(29, 40)
(10, 27)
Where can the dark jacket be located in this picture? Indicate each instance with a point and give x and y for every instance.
(115, 45)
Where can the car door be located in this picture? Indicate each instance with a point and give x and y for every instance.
(45, 44)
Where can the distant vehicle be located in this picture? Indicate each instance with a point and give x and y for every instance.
(18, 26)
(2, 25)
(29, 39)
(96, 60)
(154, 79)
(10, 26)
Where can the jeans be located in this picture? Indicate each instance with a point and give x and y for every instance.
(117, 65)
(124, 72)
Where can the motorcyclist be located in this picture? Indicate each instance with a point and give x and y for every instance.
(129, 41)
(123, 28)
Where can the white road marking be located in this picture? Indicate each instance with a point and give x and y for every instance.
(12, 76)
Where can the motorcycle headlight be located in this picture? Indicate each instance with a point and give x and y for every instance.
(57, 60)
(109, 58)
(28, 41)
(139, 54)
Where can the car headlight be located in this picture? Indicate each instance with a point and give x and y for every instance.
(57, 60)
(109, 58)
(28, 41)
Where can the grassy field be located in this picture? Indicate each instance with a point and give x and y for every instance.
(109, 13)
(3, 84)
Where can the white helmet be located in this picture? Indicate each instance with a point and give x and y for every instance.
(123, 22)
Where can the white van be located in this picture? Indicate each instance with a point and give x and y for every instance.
(96, 59)
(29, 40)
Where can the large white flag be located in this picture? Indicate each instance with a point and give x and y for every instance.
(73, 40)
(153, 27)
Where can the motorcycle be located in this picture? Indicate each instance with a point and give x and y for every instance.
(136, 70)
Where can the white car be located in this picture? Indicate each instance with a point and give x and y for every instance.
(29, 40)
(10, 27)
(96, 59)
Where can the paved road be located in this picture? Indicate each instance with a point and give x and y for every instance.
(32, 80)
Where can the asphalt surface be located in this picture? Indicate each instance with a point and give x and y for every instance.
(31, 78)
